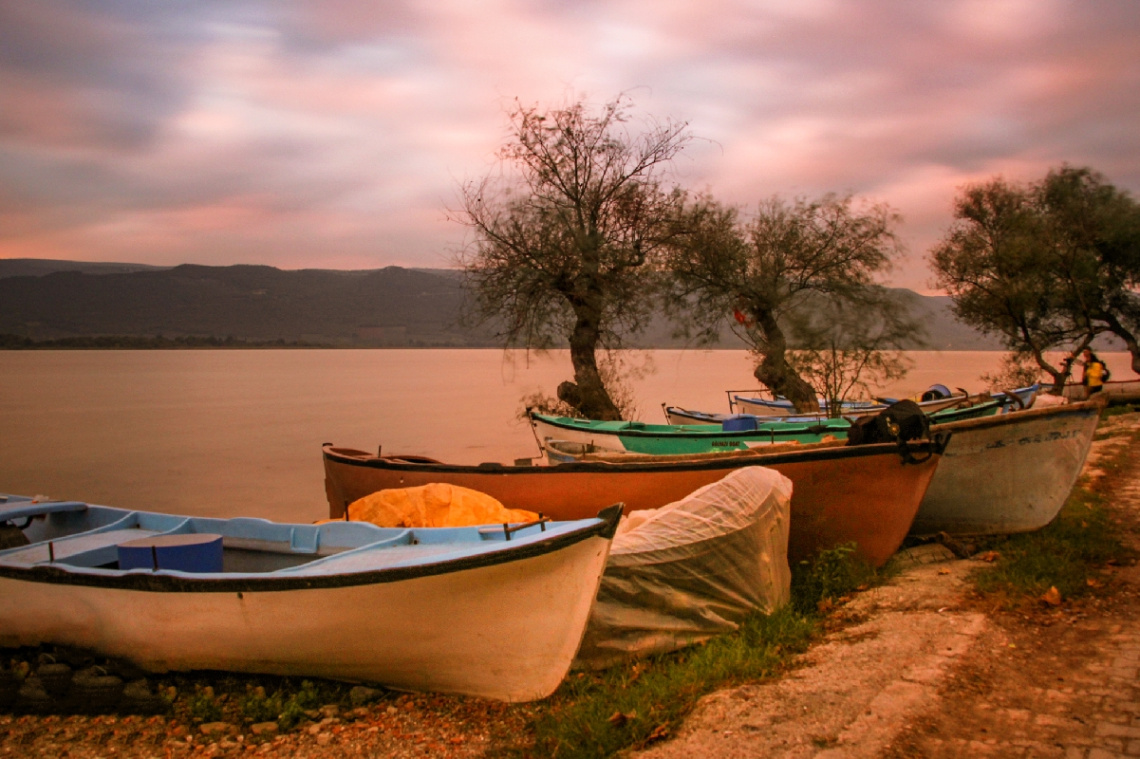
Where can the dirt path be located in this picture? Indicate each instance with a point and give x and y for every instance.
(924, 673)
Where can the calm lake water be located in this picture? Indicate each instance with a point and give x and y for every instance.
(229, 433)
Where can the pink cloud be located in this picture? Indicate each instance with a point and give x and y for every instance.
(323, 133)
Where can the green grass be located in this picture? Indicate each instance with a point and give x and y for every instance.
(1069, 554)
(830, 575)
(251, 699)
(1119, 408)
(595, 714)
(1066, 555)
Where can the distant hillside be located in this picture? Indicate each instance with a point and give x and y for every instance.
(945, 332)
(38, 267)
(390, 307)
(386, 307)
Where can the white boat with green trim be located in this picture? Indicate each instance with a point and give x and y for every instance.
(670, 439)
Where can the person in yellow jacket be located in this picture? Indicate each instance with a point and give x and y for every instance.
(1093, 377)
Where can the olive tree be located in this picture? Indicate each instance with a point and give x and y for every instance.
(770, 275)
(1046, 266)
(563, 234)
(1000, 274)
(1093, 228)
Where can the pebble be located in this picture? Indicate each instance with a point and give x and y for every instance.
(362, 694)
(211, 729)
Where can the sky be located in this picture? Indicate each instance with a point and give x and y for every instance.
(337, 133)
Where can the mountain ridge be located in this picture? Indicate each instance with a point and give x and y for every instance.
(393, 306)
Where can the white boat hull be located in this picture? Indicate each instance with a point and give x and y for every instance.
(1008, 473)
(544, 432)
(1118, 390)
(506, 631)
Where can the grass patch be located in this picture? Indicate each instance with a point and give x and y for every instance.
(595, 714)
(830, 575)
(1065, 555)
(1069, 554)
(1117, 409)
(248, 699)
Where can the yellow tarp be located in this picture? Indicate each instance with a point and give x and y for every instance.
(434, 505)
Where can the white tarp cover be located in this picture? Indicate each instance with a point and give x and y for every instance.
(692, 569)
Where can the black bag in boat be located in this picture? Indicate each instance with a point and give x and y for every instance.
(899, 422)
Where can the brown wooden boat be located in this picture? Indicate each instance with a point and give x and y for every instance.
(867, 494)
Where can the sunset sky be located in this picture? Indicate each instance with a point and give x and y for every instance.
(335, 133)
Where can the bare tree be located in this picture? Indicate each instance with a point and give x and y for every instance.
(844, 354)
(561, 246)
(769, 273)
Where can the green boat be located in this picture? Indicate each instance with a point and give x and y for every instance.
(639, 437)
(735, 433)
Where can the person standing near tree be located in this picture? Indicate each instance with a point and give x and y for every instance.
(1093, 377)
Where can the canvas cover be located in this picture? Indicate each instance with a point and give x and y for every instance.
(437, 504)
(692, 569)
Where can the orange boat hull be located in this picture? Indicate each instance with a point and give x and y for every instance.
(867, 495)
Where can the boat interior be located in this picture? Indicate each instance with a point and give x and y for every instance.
(81, 536)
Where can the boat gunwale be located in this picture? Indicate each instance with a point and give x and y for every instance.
(681, 411)
(647, 462)
(171, 581)
(786, 429)
(1015, 417)
(785, 403)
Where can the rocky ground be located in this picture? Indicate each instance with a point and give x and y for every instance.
(916, 668)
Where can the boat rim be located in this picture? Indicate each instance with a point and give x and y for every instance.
(169, 581)
(824, 451)
(774, 428)
(1001, 420)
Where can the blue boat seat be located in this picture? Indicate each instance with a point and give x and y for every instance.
(90, 549)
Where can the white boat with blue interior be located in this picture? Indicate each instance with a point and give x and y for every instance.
(495, 611)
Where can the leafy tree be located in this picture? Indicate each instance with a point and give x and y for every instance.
(776, 273)
(1094, 230)
(1001, 276)
(561, 247)
(1047, 266)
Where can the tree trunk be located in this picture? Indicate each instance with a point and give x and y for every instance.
(1060, 377)
(777, 375)
(1118, 329)
(1059, 380)
(587, 394)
